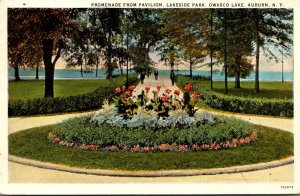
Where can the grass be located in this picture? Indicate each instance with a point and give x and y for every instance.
(267, 89)
(28, 89)
(272, 144)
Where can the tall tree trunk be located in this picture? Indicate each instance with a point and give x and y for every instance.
(237, 74)
(127, 57)
(49, 67)
(37, 73)
(225, 50)
(211, 49)
(109, 55)
(17, 74)
(81, 70)
(282, 80)
(257, 63)
(237, 79)
(257, 54)
(97, 65)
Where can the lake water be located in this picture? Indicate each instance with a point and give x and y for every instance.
(28, 73)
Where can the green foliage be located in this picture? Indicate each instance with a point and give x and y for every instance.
(263, 106)
(83, 130)
(271, 145)
(88, 101)
(199, 77)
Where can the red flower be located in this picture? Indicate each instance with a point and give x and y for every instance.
(177, 92)
(123, 89)
(188, 87)
(147, 88)
(168, 91)
(128, 93)
(158, 87)
(163, 99)
(117, 90)
(195, 95)
(131, 88)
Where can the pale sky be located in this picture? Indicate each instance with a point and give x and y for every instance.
(265, 65)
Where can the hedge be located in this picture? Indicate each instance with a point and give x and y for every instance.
(83, 102)
(262, 106)
(198, 77)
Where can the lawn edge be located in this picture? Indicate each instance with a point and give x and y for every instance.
(157, 173)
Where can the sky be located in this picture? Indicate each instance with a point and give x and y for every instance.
(265, 64)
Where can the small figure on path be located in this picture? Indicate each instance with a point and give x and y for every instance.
(156, 74)
(143, 77)
(172, 77)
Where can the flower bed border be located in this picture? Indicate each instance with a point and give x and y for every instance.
(160, 148)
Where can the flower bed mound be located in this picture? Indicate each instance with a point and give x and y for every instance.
(163, 123)
(87, 133)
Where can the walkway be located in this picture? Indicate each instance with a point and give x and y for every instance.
(23, 173)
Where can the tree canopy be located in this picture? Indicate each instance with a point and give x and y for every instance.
(229, 37)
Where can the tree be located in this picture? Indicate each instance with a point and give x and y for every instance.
(23, 50)
(49, 28)
(104, 25)
(271, 27)
(142, 26)
(239, 45)
(78, 51)
(192, 28)
(225, 49)
(186, 31)
(233, 43)
(168, 46)
(110, 20)
(211, 48)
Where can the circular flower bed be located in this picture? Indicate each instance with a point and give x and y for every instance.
(162, 123)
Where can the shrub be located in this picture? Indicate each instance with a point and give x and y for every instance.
(83, 102)
(199, 77)
(263, 106)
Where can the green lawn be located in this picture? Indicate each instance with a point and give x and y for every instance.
(27, 89)
(272, 144)
(267, 89)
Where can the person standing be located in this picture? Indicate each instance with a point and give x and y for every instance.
(172, 77)
(143, 77)
(156, 74)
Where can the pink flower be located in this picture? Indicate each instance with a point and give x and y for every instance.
(188, 87)
(136, 148)
(117, 90)
(158, 87)
(163, 99)
(195, 95)
(177, 92)
(128, 93)
(168, 91)
(147, 88)
(131, 88)
(123, 89)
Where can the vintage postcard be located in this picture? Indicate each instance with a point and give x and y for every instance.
(160, 97)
